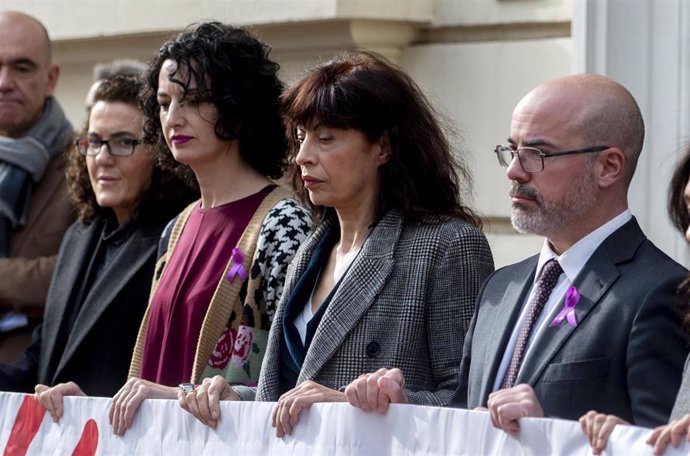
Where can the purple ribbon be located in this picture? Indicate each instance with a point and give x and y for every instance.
(572, 297)
(237, 266)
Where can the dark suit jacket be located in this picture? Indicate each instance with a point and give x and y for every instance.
(625, 357)
(406, 302)
(98, 350)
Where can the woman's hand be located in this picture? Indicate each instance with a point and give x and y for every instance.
(127, 401)
(51, 397)
(374, 392)
(285, 415)
(204, 401)
(673, 432)
(598, 427)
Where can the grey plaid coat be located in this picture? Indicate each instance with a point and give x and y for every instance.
(406, 302)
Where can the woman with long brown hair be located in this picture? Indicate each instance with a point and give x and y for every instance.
(390, 275)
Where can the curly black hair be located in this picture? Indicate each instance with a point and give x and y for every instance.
(166, 196)
(362, 90)
(230, 68)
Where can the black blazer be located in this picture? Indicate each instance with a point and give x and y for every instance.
(625, 356)
(97, 352)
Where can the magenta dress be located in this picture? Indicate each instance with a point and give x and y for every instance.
(187, 286)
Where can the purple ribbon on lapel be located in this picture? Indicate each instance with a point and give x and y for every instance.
(572, 297)
(237, 266)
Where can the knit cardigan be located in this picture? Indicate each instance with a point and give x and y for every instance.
(234, 331)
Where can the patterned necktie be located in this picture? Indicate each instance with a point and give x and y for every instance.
(549, 276)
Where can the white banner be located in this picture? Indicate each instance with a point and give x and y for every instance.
(162, 428)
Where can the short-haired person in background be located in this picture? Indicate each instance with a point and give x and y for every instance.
(390, 275)
(598, 426)
(118, 67)
(98, 293)
(34, 137)
(212, 96)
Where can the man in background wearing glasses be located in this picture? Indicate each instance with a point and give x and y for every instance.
(592, 321)
(34, 205)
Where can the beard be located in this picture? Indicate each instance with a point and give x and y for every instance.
(549, 216)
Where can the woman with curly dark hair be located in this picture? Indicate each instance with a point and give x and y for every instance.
(211, 96)
(97, 296)
(391, 273)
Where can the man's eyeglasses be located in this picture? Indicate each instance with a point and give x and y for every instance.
(532, 159)
(118, 146)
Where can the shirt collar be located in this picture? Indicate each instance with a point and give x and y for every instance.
(573, 260)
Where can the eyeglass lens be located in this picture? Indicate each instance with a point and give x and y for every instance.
(530, 159)
(117, 146)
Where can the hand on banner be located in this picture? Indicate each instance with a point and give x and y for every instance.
(673, 432)
(507, 406)
(374, 392)
(204, 401)
(51, 397)
(127, 401)
(285, 415)
(598, 427)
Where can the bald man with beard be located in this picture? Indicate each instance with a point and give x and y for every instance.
(592, 321)
(34, 205)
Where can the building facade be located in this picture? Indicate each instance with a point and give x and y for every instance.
(474, 59)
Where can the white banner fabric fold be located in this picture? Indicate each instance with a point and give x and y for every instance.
(163, 428)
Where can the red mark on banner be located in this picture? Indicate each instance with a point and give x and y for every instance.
(25, 427)
(89, 440)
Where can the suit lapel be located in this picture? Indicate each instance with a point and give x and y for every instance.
(503, 320)
(132, 256)
(592, 286)
(364, 281)
(595, 279)
(74, 257)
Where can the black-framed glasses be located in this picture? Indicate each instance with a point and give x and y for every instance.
(118, 146)
(532, 159)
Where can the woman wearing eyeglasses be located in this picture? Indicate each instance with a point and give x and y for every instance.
(97, 297)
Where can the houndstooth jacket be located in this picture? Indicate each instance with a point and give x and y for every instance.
(406, 302)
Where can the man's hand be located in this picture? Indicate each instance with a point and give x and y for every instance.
(508, 405)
